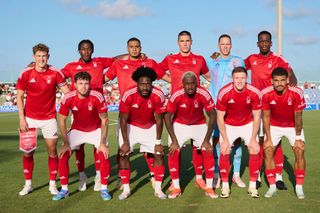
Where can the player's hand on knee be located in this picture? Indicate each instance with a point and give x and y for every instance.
(298, 144)
(267, 144)
(65, 148)
(225, 147)
(158, 150)
(173, 147)
(104, 149)
(253, 147)
(124, 150)
(206, 146)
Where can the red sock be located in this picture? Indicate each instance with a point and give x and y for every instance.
(271, 176)
(299, 173)
(224, 167)
(208, 163)
(96, 159)
(158, 173)
(27, 164)
(278, 159)
(261, 156)
(197, 160)
(149, 159)
(124, 174)
(53, 167)
(254, 164)
(80, 158)
(104, 168)
(64, 168)
(174, 165)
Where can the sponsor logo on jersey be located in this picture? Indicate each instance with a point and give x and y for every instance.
(231, 101)
(32, 80)
(79, 67)
(194, 61)
(273, 102)
(49, 80)
(176, 61)
(75, 108)
(289, 101)
(183, 106)
(125, 67)
(196, 104)
(135, 106)
(90, 106)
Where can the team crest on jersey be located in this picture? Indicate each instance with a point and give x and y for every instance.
(289, 101)
(248, 100)
(270, 64)
(49, 80)
(94, 64)
(194, 61)
(196, 104)
(90, 106)
(149, 104)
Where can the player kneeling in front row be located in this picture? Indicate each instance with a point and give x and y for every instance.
(239, 109)
(141, 122)
(282, 107)
(90, 125)
(185, 120)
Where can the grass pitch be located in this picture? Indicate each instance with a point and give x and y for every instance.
(142, 199)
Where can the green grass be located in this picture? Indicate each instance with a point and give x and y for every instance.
(142, 199)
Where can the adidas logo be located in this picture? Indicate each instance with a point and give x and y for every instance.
(54, 172)
(254, 63)
(256, 172)
(98, 161)
(123, 177)
(32, 81)
(173, 170)
(26, 171)
(272, 102)
(183, 106)
(300, 176)
(270, 175)
(279, 164)
(75, 108)
(199, 167)
(125, 67)
(79, 67)
(176, 61)
(223, 171)
(135, 106)
(211, 169)
(231, 101)
(77, 162)
(62, 177)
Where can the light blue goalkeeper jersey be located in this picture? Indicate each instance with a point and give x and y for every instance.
(220, 71)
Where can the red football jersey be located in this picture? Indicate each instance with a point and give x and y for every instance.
(123, 70)
(178, 65)
(282, 107)
(141, 110)
(188, 110)
(262, 66)
(85, 111)
(95, 68)
(238, 105)
(40, 88)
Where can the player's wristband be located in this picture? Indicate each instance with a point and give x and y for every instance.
(298, 137)
(158, 141)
